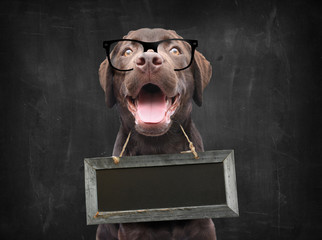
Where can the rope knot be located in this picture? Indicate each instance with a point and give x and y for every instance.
(191, 146)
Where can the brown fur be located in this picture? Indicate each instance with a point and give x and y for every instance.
(157, 139)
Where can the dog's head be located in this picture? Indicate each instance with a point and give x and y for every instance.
(153, 94)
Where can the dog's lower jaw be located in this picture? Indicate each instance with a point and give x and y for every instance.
(153, 129)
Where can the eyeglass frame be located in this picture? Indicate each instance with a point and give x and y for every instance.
(147, 46)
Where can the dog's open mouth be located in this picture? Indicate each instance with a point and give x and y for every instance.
(152, 106)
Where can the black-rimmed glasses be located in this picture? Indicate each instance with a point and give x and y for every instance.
(122, 52)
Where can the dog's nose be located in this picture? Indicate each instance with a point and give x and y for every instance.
(149, 61)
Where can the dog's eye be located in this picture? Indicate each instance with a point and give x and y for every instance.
(127, 52)
(175, 51)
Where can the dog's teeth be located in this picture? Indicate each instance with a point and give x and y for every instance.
(169, 103)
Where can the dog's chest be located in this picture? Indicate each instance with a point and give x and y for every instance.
(149, 146)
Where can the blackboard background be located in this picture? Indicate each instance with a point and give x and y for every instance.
(264, 101)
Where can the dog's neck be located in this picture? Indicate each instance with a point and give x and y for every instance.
(173, 141)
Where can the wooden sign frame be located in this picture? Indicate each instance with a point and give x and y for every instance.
(98, 168)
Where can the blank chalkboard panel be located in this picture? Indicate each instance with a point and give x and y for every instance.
(161, 187)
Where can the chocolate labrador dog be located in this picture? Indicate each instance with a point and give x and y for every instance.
(152, 75)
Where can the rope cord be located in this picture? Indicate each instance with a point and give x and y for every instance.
(117, 159)
(191, 146)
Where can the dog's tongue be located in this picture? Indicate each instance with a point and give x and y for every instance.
(151, 107)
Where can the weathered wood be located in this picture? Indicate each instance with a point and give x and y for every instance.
(154, 167)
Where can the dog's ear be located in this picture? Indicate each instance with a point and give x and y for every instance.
(202, 75)
(106, 80)
(128, 34)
